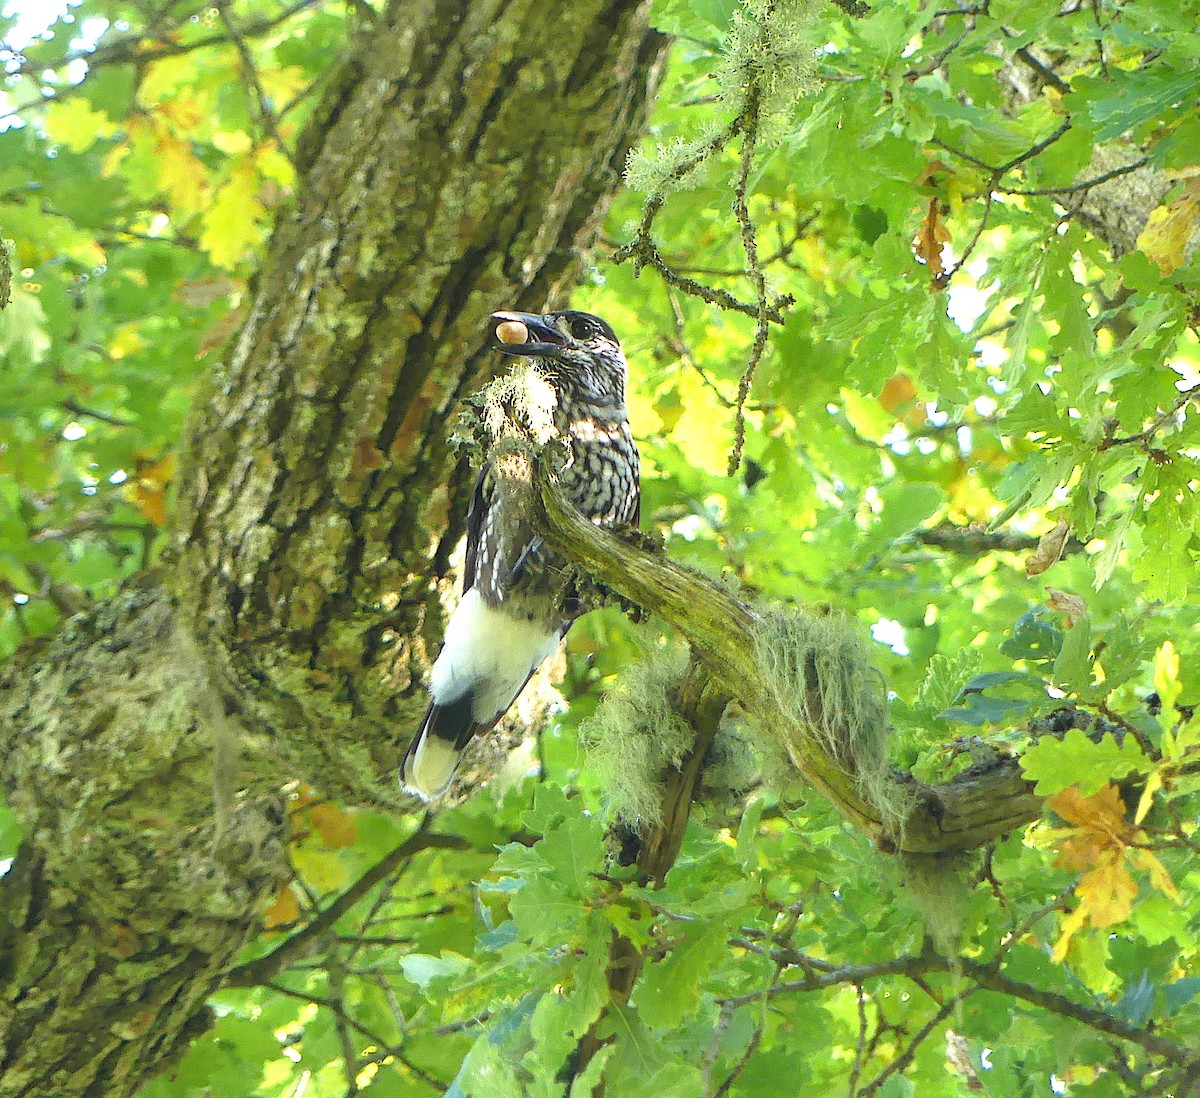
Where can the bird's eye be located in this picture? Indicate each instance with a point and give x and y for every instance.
(583, 329)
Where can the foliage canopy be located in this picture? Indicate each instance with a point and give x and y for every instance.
(903, 348)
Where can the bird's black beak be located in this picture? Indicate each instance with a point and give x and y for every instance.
(543, 340)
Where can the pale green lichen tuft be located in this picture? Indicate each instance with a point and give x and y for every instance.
(770, 47)
(936, 887)
(636, 735)
(675, 166)
(734, 763)
(523, 396)
(820, 674)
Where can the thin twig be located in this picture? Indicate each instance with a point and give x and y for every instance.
(77, 409)
(940, 58)
(333, 1007)
(743, 1060)
(860, 998)
(124, 51)
(947, 276)
(263, 968)
(1087, 184)
(266, 113)
(741, 211)
(1163, 419)
(337, 986)
(988, 977)
(1026, 57)
(681, 348)
(910, 1049)
(1034, 150)
(678, 173)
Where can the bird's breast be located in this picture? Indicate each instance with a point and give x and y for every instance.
(601, 479)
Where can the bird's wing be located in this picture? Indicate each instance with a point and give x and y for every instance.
(495, 568)
(478, 507)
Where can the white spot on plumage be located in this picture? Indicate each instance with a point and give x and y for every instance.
(489, 652)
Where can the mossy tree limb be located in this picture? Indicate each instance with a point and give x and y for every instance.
(965, 813)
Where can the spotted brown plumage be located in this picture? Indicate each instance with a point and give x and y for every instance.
(518, 600)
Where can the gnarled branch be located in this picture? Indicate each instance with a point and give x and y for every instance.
(962, 814)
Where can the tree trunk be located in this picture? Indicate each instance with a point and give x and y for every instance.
(460, 161)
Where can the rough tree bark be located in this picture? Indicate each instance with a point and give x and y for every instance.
(459, 162)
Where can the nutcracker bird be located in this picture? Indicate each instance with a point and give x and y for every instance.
(518, 600)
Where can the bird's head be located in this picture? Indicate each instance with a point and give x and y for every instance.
(577, 349)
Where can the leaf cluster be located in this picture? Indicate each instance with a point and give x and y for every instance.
(978, 351)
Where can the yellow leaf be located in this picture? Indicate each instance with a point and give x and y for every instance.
(184, 110)
(232, 223)
(1159, 877)
(1169, 229)
(272, 164)
(111, 163)
(169, 79)
(232, 142)
(74, 123)
(284, 82)
(181, 174)
(1070, 926)
(1108, 891)
(126, 340)
(322, 869)
(1166, 676)
(1153, 785)
(155, 469)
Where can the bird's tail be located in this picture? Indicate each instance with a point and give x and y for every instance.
(485, 663)
(438, 747)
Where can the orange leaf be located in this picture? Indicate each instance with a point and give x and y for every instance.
(930, 237)
(1082, 850)
(284, 909)
(929, 175)
(148, 492)
(897, 391)
(152, 503)
(1102, 844)
(336, 828)
(1108, 891)
(1103, 811)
